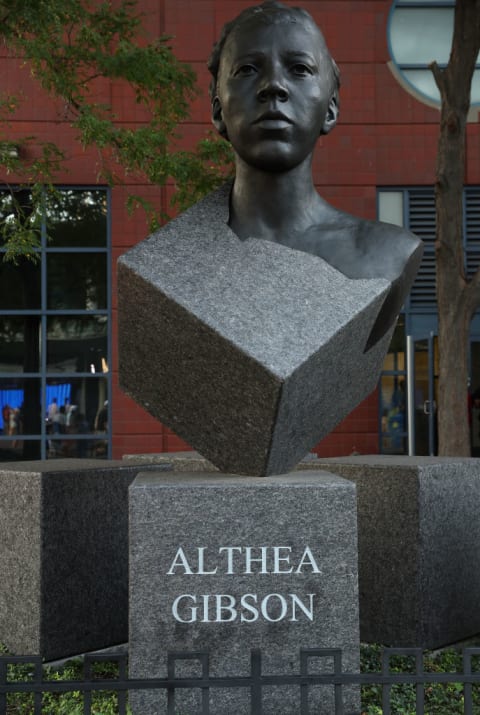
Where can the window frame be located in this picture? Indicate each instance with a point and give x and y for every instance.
(44, 313)
(398, 68)
(420, 313)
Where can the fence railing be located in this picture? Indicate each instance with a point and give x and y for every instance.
(122, 684)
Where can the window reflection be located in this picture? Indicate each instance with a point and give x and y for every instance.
(16, 210)
(421, 35)
(77, 344)
(76, 281)
(393, 396)
(394, 416)
(77, 218)
(20, 343)
(19, 285)
(77, 417)
(73, 414)
(20, 411)
(62, 410)
(418, 35)
(12, 343)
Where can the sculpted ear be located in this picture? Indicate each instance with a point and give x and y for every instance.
(217, 118)
(332, 115)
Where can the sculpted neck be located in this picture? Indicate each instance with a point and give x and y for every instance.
(268, 205)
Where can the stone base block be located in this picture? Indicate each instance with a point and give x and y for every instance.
(418, 540)
(63, 556)
(225, 563)
(191, 461)
(171, 461)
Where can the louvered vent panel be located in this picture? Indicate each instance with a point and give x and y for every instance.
(472, 223)
(422, 223)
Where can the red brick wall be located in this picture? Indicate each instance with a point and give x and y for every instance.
(385, 137)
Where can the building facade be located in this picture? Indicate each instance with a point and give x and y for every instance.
(59, 393)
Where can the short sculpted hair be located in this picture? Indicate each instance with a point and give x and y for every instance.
(268, 12)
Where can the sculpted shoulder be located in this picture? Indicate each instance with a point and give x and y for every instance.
(361, 248)
(393, 247)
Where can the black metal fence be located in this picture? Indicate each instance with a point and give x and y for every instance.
(122, 684)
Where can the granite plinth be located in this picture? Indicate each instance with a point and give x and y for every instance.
(63, 556)
(226, 563)
(174, 461)
(418, 541)
(190, 461)
(243, 348)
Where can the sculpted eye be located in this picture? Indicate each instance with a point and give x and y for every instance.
(300, 69)
(245, 70)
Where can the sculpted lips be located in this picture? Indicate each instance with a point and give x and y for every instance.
(273, 120)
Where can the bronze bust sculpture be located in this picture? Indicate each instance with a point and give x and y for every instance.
(274, 91)
(255, 321)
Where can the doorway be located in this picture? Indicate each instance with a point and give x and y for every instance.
(422, 385)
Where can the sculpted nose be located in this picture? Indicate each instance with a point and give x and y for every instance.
(272, 88)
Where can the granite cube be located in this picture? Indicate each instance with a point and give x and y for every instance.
(418, 542)
(243, 348)
(63, 556)
(227, 563)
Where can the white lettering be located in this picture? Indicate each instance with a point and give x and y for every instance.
(307, 558)
(229, 607)
(277, 558)
(193, 610)
(201, 569)
(205, 609)
(183, 563)
(224, 608)
(264, 606)
(245, 560)
(248, 607)
(249, 559)
(229, 550)
(307, 611)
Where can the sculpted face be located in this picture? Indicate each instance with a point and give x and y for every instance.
(274, 93)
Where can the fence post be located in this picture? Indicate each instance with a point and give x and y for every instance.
(420, 687)
(386, 687)
(467, 687)
(38, 677)
(87, 695)
(3, 681)
(256, 686)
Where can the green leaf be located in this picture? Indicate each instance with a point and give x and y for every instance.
(69, 47)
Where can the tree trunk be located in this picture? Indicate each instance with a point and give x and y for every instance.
(456, 297)
(453, 322)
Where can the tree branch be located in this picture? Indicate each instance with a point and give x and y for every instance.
(472, 293)
(438, 76)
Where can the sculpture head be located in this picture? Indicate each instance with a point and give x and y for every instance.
(274, 87)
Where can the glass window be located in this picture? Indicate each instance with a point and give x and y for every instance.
(12, 343)
(77, 218)
(21, 418)
(392, 396)
(77, 417)
(16, 207)
(419, 319)
(434, 25)
(424, 82)
(390, 207)
(76, 281)
(77, 344)
(20, 285)
(419, 33)
(54, 328)
(394, 418)
(20, 343)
